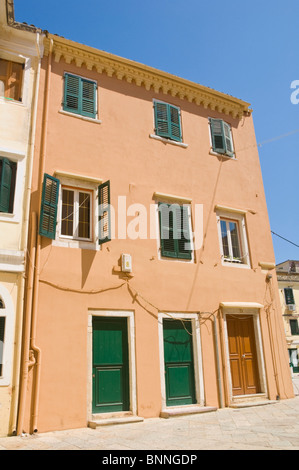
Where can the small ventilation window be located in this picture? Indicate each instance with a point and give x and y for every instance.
(1, 303)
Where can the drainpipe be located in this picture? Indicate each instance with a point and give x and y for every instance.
(33, 345)
(26, 361)
(218, 362)
(20, 386)
(33, 280)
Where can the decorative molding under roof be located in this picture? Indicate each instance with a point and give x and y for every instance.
(143, 75)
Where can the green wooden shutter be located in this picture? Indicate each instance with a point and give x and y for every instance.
(289, 296)
(183, 233)
(166, 218)
(104, 213)
(48, 214)
(7, 169)
(175, 123)
(221, 137)
(227, 139)
(174, 231)
(79, 96)
(167, 121)
(72, 93)
(88, 104)
(218, 142)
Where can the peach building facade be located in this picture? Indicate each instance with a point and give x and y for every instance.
(153, 290)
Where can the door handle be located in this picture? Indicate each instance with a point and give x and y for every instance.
(243, 356)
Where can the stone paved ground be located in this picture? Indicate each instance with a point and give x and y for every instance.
(266, 427)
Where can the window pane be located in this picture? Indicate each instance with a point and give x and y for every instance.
(2, 303)
(224, 239)
(84, 215)
(233, 227)
(2, 327)
(67, 213)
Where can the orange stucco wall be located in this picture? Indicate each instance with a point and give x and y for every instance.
(120, 150)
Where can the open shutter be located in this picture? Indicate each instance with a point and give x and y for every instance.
(72, 93)
(183, 233)
(88, 98)
(48, 214)
(175, 123)
(218, 142)
(6, 179)
(166, 217)
(228, 139)
(104, 213)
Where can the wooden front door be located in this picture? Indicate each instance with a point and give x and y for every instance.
(110, 372)
(179, 366)
(242, 355)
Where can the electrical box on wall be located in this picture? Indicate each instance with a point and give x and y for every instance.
(126, 263)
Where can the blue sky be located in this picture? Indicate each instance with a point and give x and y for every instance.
(246, 49)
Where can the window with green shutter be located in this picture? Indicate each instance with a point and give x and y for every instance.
(174, 231)
(48, 213)
(79, 96)
(7, 184)
(289, 296)
(167, 121)
(294, 327)
(104, 213)
(221, 137)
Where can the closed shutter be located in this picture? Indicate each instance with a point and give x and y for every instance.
(72, 93)
(7, 172)
(167, 121)
(184, 251)
(79, 96)
(104, 213)
(166, 216)
(48, 214)
(88, 99)
(174, 231)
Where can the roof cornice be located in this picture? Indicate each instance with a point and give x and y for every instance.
(143, 75)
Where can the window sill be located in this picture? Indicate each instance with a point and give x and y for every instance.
(168, 141)
(222, 155)
(234, 264)
(11, 101)
(78, 116)
(68, 243)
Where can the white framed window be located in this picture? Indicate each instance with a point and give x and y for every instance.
(233, 239)
(77, 212)
(75, 217)
(12, 171)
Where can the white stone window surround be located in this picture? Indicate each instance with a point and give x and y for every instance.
(237, 215)
(19, 158)
(8, 312)
(197, 354)
(79, 182)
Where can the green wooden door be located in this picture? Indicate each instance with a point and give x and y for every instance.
(110, 372)
(179, 366)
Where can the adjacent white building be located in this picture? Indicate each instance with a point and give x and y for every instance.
(20, 54)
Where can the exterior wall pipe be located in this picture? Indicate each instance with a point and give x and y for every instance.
(37, 351)
(25, 226)
(218, 363)
(26, 362)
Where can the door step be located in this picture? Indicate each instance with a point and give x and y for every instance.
(247, 401)
(109, 419)
(185, 410)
